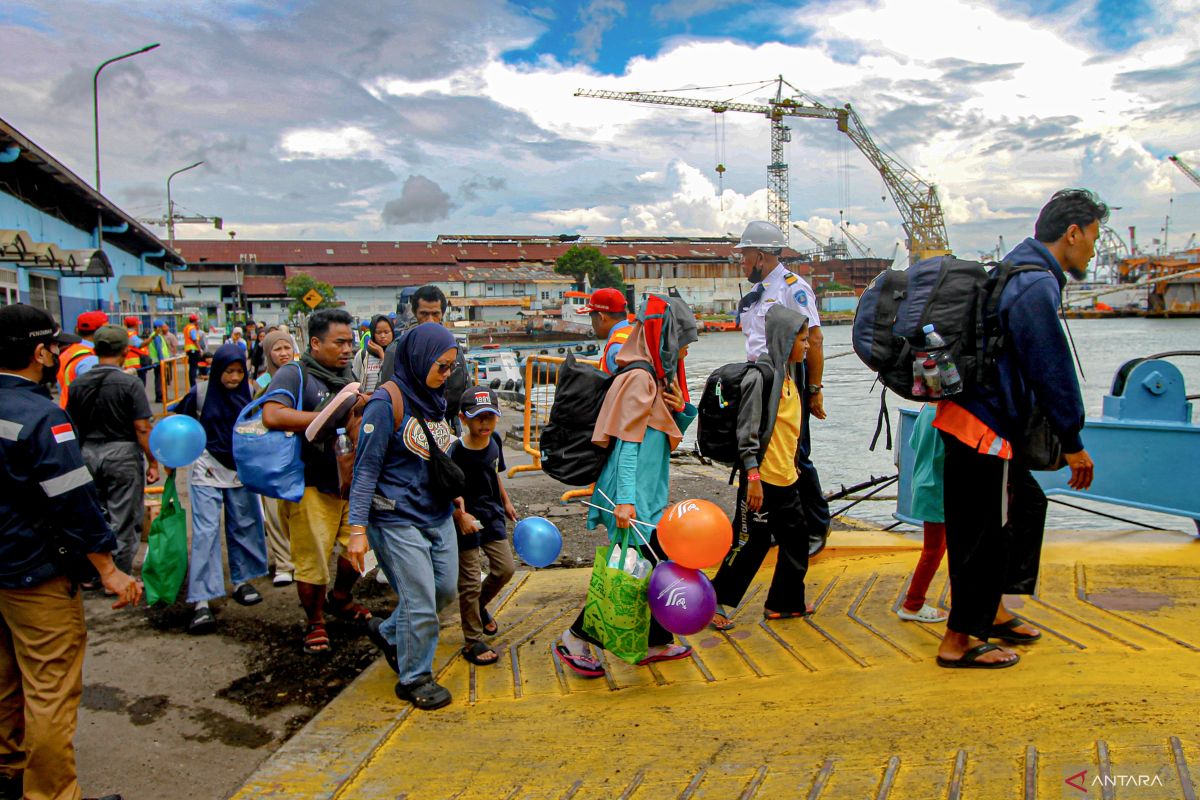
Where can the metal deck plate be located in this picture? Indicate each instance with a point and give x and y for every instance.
(846, 704)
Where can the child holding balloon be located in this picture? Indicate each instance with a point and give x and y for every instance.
(213, 485)
(769, 503)
(641, 421)
(481, 522)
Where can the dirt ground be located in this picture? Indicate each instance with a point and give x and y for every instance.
(166, 714)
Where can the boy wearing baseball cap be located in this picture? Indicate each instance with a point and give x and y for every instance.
(482, 524)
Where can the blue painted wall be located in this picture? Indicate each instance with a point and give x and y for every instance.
(77, 294)
(839, 303)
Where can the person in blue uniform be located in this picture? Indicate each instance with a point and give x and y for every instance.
(42, 559)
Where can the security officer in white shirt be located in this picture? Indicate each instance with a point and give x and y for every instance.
(774, 283)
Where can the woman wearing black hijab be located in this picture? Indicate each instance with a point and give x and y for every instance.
(214, 484)
(393, 498)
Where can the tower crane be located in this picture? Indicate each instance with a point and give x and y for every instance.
(1185, 169)
(862, 249)
(917, 200)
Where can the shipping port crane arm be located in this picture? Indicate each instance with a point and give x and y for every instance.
(862, 249)
(917, 200)
(1185, 169)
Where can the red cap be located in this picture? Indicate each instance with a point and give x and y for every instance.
(193, 318)
(90, 322)
(605, 300)
(132, 322)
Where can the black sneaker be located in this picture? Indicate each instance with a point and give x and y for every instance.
(425, 694)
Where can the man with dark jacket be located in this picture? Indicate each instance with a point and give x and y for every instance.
(995, 510)
(51, 526)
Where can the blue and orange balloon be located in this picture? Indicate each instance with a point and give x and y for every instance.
(538, 541)
(177, 441)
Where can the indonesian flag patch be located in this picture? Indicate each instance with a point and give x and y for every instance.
(63, 433)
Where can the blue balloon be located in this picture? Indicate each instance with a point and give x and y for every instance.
(538, 541)
(177, 441)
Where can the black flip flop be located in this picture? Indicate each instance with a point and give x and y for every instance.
(425, 695)
(487, 620)
(970, 660)
(247, 595)
(473, 651)
(202, 622)
(1005, 633)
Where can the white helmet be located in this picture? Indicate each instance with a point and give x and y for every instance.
(762, 235)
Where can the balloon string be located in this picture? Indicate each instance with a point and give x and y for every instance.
(635, 532)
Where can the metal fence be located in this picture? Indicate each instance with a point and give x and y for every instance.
(541, 378)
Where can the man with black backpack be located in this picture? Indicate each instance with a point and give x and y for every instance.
(995, 510)
(775, 284)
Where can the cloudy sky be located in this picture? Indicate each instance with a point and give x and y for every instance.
(403, 120)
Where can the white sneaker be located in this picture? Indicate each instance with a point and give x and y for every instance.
(927, 614)
(283, 578)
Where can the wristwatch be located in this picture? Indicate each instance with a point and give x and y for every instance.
(813, 388)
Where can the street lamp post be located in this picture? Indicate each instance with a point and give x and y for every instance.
(96, 131)
(171, 205)
(96, 101)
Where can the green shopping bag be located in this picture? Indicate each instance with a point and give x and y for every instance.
(617, 611)
(166, 561)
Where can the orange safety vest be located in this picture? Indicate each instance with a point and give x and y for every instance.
(971, 430)
(134, 356)
(189, 343)
(617, 337)
(68, 367)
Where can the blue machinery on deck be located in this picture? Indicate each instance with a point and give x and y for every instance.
(1145, 446)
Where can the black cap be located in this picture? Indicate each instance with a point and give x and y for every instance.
(110, 340)
(21, 323)
(479, 400)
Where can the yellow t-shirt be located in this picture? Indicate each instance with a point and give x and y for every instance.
(778, 466)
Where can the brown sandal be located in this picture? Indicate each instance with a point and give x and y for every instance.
(316, 640)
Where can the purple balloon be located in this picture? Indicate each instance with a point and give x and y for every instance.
(681, 599)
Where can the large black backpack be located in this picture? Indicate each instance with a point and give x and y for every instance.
(959, 298)
(717, 414)
(567, 452)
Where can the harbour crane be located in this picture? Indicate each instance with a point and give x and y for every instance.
(862, 249)
(828, 250)
(920, 209)
(1185, 169)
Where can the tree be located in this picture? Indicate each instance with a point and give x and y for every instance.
(582, 262)
(300, 285)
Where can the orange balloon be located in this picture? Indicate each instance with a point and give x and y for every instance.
(695, 534)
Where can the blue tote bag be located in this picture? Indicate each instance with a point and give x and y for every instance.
(269, 462)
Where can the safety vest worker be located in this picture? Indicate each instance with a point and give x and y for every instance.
(79, 357)
(136, 352)
(609, 322)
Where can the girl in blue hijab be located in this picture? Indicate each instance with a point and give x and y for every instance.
(412, 534)
(214, 485)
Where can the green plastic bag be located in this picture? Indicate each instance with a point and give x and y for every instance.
(166, 561)
(617, 611)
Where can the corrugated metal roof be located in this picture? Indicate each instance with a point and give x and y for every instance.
(382, 275)
(243, 251)
(263, 286)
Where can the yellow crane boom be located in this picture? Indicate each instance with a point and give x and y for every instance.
(917, 200)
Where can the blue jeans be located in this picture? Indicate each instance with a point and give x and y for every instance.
(244, 539)
(421, 564)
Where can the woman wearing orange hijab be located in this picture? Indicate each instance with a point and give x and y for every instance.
(641, 421)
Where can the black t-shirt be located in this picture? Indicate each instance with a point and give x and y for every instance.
(104, 403)
(320, 462)
(482, 495)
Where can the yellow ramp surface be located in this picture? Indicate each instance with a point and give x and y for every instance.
(846, 704)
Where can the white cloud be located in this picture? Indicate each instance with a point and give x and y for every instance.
(347, 142)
